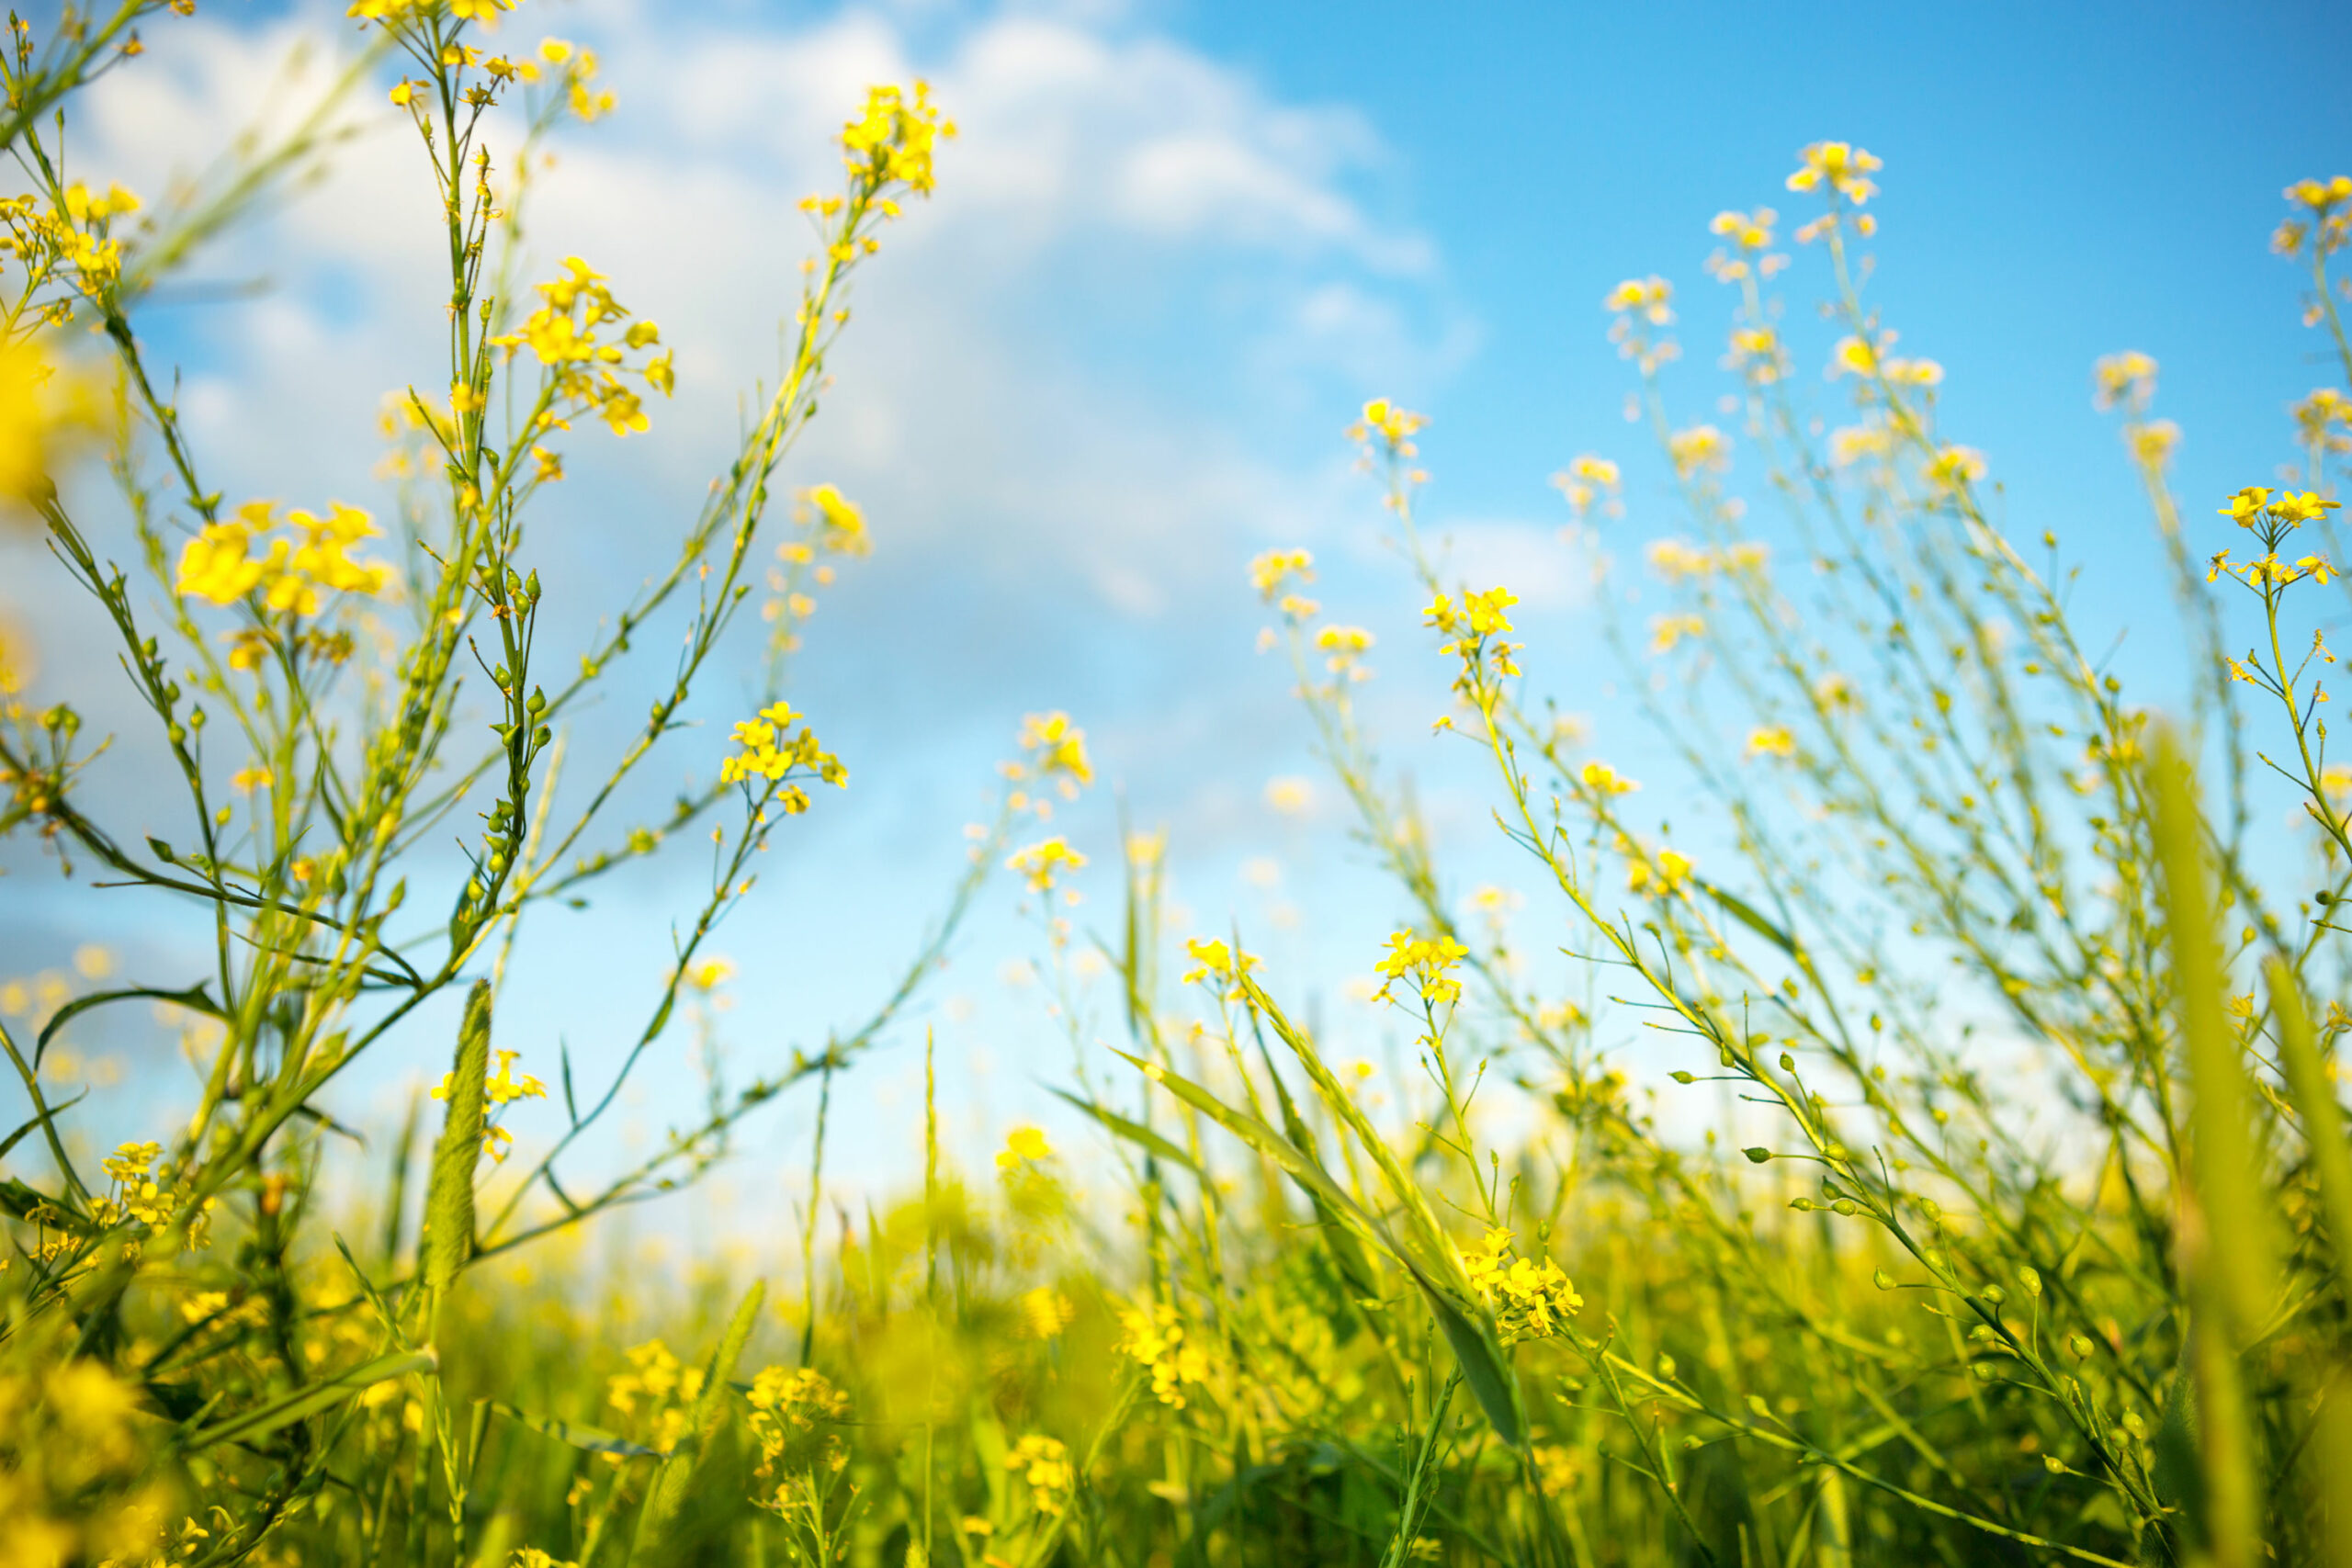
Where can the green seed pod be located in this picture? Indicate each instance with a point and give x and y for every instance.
(450, 1200)
(1758, 1155)
(1846, 1206)
(1883, 1279)
(2031, 1280)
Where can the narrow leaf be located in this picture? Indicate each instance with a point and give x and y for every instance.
(1133, 1131)
(258, 1423)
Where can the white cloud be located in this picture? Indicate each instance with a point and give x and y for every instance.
(1116, 202)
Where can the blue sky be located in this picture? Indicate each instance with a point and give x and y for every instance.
(1175, 247)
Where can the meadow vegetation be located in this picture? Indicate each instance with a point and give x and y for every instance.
(2046, 1256)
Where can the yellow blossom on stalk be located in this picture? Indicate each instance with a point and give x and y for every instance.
(706, 975)
(1153, 1337)
(2247, 505)
(1530, 1299)
(1664, 873)
(1043, 1463)
(1668, 632)
(2154, 442)
(2326, 204)
(1024, 1146)
(1771, 740)
(1841, 166)
(1955, 467)
(2324, 419)
(1042, 861)
(1756, 352)
(1345, 646)
(1850, 443)
(1748, 230)
(1587, 479)
(1057, 748)
(2129, 378)
(1648, 297)
(1606, 782)
(1213, 960)
(1700, 447)
(842, 524)
(1678, 560)
(1427, 962)
(1389, 425)
(218, 565)
(1273, 571)
(766, 750)
(892, 139)
(1290, 795)
(1855, 356)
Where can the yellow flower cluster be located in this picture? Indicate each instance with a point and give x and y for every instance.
(1057, 750)
(1606, 782)
(1840, 166)
(1678, 560)
(2326, 219)
(841, 523)
(655, 1393)
(1153, 1337)
(1427, 962)
(1649, 297)
(1771, 740)
(144, 1195)
(1701, 447)
(500, 1090)
(1587, 479)
(1756, 353)
(1857, 356)
(2127, 379)
(1388, 425)
(74, 235)
(584, 368)
(1043, 1463)
(1663, 874)
(1043, 862)
(2270, 515)
(1669, 632)
(1481, 615)
(1213, 960)
(1837, 169)
(789, 1410)
(1274, 570)
(892, 139)
(1751, 237)
(769, 750)
(1955, 468)
(1531, 1300)
(2324, 421)
(310, 559)
(1344, 648)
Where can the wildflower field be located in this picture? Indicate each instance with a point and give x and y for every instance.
(2032, 978)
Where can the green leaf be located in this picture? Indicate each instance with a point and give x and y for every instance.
(2323, 1118)
(308, 1401)
(1747, 915)
(449, 1194)
(1481, 1361)
(194, 997)
(587, 1439)
(1133, 1131)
